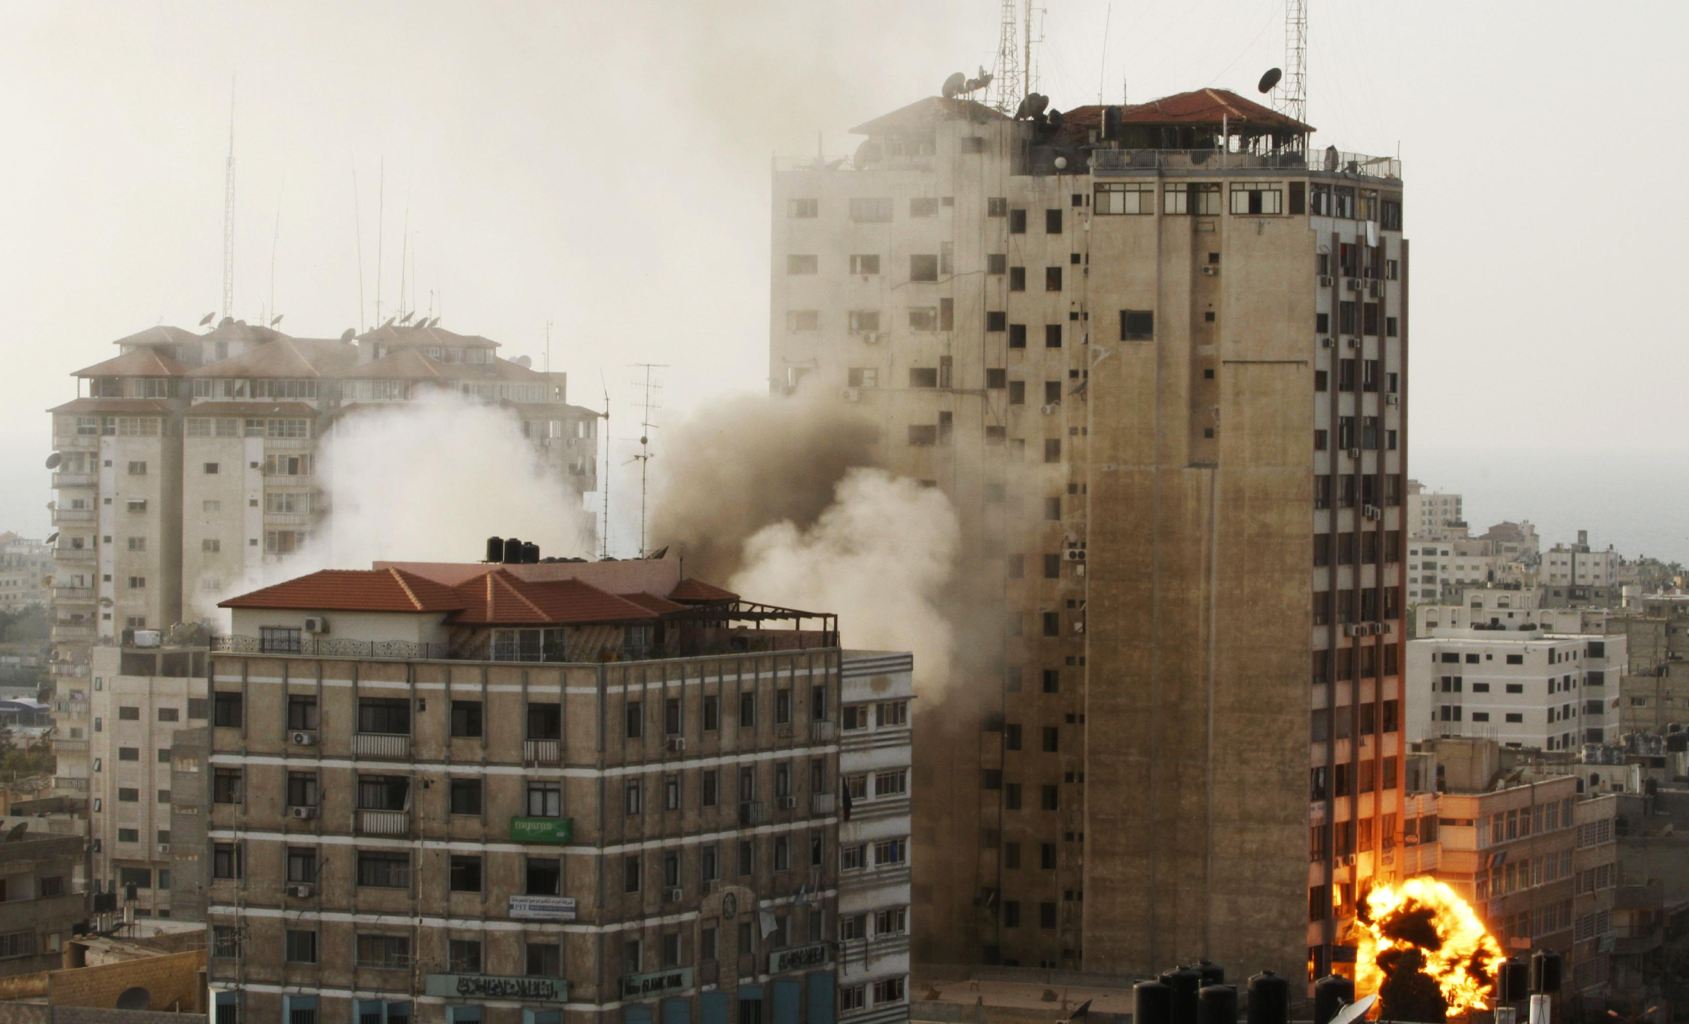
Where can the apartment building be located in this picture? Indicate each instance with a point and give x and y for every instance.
(1440, 568)
(25, 566)
(1575, 565)
(42, 901)
(1512, 608)
(143, 693)
(1434, 515)
(1514, 542)
(1524, 688)
(1156, 355)
(187, 462)
(545, 791)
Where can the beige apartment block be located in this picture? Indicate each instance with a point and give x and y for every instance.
(540, 792)
(42, 899)
(25, 567)
(187, 463)
(1156, 355)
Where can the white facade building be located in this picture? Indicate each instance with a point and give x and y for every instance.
(874, 904)
(1436, 565)
(1434, 515)
(24, 568)
(1524, 688)
(1575, 565)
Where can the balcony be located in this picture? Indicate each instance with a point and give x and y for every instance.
(822, 731)
(78, 556)
(381, 744)
(73, 632)
(62, 516)
(69, 784)
(66, 744)
(76, 442)
(1211, 161)
(383, 823)
(73, 595)
(73, 479)
(542, 751)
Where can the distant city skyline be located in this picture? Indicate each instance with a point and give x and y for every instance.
(536, 153)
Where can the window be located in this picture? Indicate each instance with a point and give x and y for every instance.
(631, 873)
(802, 209)
(923, 268)
(892, 714)
(464, 796)
(384, 870)
(1017, 221)
(1257, 198)
(543, 959)
(392, 951)
(1052, 279)
(1137, 325)
(465, 873)
(301, 864)
(1017, 335)
(278, 640)
(225, 860)
(890, 851)
(633, 720)
(301, 946)
(747, 709)
(466, 718)
(890, 990)
(803, 320)
(301, 789)
(542, 876)
(463, 956)
(865, 264)
(1130, 198)
(225, 786)
(710, 785)
(801, 264)
(996, 263)
(225, 944)
(923, 376)
(633, 797)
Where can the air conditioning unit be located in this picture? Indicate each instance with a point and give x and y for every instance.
(1392, 399)
(674, 895)
(316, 624)
(301, 890)
(1353, 343)
(1375, 288)
(1211, 271)
(1074, 554)
(1354, 284)
(677, 743)
(1372, 511)
(1049, 410)
(1349, 860)
(1325, 280)
(853, 394)
(788, 802)
(302, 813)
(1375, 628)
(302, 738)
(871, 338)
(1325, 343)
(1354, 453)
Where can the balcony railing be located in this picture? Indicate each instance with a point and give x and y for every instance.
(753, 813)
(383, 823)
(73, 631)
(1213, 161)
(72, 515)
(65, 553)
(73, 479)
(822, 803)
(73, 594)
(381, 744)
(822, 730)
(544, 751)
(323, 646)
(66, 784)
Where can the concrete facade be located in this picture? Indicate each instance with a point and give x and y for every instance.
(1434, 515)
(25, 567)
(42, 901)
(1174, 430)
(1523, 688)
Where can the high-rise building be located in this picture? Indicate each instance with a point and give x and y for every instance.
(1156, 355)
(509, 793)
(187, 463)
(1434, 515)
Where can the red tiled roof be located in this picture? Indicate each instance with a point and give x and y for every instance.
(410, 334)
(925, 113)
(282, 356)
(354, 590)
(500, 598)
(696, 591)
(163, 334)
(138, 362)
(1207, 106)
(651, 602)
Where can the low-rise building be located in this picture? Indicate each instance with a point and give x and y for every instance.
(1438, 568)
(1576, 565)
(501, 793)
(1522, 687)
(1434, 515)
(42, 899)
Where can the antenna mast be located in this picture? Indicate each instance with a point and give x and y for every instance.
(229, 213)
(644, 457)
(1293, 88)
(1008, 87)
(604, 484)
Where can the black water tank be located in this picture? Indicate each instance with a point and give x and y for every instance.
(1269, 999)
(512, 551)
(1216, 1004)
(530, 553)
(1515, 981)
(1184, 981)
(1545, 971)
(495, 549)
(1331, 993)
(1212, 973)
(1152, 1003)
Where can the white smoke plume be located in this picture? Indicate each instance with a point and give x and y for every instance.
(882, 556)
(430, 480)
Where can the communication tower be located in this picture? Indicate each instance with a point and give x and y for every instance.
(1293, 88)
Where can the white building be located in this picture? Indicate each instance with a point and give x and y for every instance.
(1575, 565)
(1434, 566)
(1434, 515)
(25, 566)
(874, 904)
(1524, 688)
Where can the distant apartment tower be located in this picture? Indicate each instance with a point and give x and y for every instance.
(25, 567)
(450, 793)
(1576, 566)
(187, 463)
(1162, 377)
(1522, 687)
(1434, 515)
(1441, 568)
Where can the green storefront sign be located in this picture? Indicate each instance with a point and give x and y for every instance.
(542, 830)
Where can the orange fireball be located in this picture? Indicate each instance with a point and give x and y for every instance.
(1424, 914)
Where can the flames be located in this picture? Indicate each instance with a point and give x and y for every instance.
(1424, 919)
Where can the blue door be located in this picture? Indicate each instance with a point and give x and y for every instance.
(788, 999)
(677, 1011)
(750, 1004)
(821, 1003)
(638, 1013)
(712, 1008)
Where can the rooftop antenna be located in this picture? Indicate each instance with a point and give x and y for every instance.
(1031, 67)
(547, 338)
(404, 253)
(358, 232)
(1008, 84)
(604, 485)
(644, 457)
(275, 240)
(380, 216)
(1102, 74)
(229, 212)
(1292, 96)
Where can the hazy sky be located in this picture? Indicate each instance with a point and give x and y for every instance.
(605, 167)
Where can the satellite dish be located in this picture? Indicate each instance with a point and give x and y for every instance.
(207, 318)
(277, 320)
(51, 538)
(1355, 1010)
(54, 459)
(954, 85)
(1269, 80)
(406, 318)
(523, 361)
(348, 334)
(660, 552)
(1039, 102)
(1054, 118)
(389, 322)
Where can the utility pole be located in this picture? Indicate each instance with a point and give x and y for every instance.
(645, 427)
